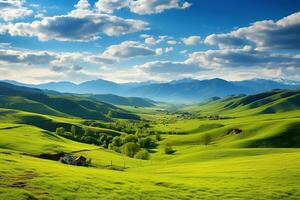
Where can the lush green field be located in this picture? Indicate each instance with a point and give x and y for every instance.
(262, 161)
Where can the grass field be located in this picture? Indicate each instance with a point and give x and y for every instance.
(260, 162)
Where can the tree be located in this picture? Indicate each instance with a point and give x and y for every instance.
(60, 131)
(206, 139)
(168, 149)
(86, 131)
(130, 138)
(130, 149)
(158, 137)
(105, 144)
(116, 141)
(73, 130)
(146, 142)
(142, 154)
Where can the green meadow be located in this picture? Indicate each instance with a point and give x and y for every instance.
(238, 147)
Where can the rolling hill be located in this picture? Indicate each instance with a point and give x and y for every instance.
(259, 160)
(38, 101)
(124, 101)
(275, 101)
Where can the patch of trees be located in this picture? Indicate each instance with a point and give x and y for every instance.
(85, 135)
(126, 126)
(132, 145)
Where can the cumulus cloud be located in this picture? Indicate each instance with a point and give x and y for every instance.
(127, 49)
(159, 51)
(141, 7)
(192, 40)
(172, 42)
(225, 60)
(169, 68)
(264, 35)
(26, 57)
(66, 68)
(169, 49)
(13, 9)
(81, 24)
(152, 40)
(9, 55)
(226, 41)
(245, 57)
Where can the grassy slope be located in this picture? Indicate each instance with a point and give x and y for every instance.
(221, 170)
(243, 177)
(39, 101)
(275, 101)
(125, 101)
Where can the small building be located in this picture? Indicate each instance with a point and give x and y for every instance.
(81, 161)
(71, 160)
(68, 159)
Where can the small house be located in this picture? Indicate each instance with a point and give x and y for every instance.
(81, 161)
(68, 159)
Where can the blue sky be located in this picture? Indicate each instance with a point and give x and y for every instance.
(142, 40)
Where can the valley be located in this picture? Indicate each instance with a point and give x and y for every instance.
(236, 147)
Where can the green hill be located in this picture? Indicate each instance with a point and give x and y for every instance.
(265, 120)
(249, 152)
(275, 101)
(124, 101)
(38, 101)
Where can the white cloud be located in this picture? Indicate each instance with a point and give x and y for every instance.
(168, 68)
(159, 51)
(172, 42)
(83, 4)
(169, 49)
(242, 58)
(81, 24)
(192, 40)
(268, 34)
(26, 57)
(142, 7)
(13, 9)
(108, 6)
(127, 49)
(152, 41)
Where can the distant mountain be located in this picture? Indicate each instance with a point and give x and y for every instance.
(260, 85)
(99, 87)
(58, 86)
(193, 90)
(184, 90)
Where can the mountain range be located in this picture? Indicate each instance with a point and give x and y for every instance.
(184, 90)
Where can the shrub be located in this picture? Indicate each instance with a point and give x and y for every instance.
(73, 130)
(130, 138)
(169, 150)
(158, 137)
(146, 142)
(142, 154)
(117, 142)
(206, 139)
(130, 149)
(60, 131)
